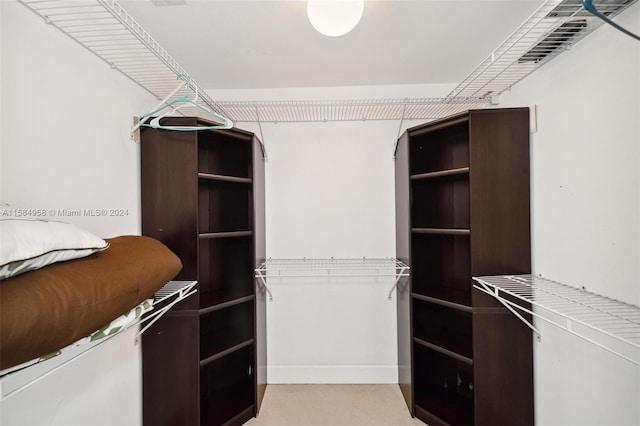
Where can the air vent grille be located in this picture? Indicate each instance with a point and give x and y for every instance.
(573, 8)
(558, 38)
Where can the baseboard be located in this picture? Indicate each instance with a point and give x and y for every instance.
(332, 374)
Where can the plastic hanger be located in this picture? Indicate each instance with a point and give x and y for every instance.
(589, 6)
(184, 101)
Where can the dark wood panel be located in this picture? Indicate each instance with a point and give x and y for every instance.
(170, 378)
(500, 207)
(403, 293)
(169, 211)
(259, 204)
(169, 196)
(503, 377)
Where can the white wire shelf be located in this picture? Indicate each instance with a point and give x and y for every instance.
(349, 110)
(608, 323)
(552, 29)
(332, 268)
(108, 31)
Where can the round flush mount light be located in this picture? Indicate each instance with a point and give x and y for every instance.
(334, 17)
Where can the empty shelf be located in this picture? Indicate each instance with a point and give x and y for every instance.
(333, 267)
(610, 324)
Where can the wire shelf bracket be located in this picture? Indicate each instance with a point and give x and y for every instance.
(610, 324)
(331, 268)
(165, 298)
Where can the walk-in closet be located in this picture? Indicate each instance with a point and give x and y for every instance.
(426, 212)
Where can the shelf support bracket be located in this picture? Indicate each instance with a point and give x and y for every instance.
(404, 110)
(154, 316)
(483, 287)
(262, 141)
(262, 281)
(399, 275)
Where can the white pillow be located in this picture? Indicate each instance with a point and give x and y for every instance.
(28, 244)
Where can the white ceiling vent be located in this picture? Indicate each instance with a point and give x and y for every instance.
(573, 8)
(560, 37)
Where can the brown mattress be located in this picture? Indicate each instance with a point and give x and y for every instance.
(45, 310)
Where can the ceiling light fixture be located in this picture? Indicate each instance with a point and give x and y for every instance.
(334, 17)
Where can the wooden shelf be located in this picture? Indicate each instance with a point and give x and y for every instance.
(224, 353)
(441, 231)
(439, 347)
(223, 178)
(451, 298)
(231, 302)
(441, 173)
(231, 234)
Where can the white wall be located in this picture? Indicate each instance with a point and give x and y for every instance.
(586, 214)
(65, 145)
(65, 118)
(330, 192)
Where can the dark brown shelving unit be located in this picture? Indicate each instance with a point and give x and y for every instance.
(204, 362)
(462, 210)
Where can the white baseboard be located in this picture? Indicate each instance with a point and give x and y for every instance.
(332, 374)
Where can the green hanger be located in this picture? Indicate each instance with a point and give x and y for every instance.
(184, 100)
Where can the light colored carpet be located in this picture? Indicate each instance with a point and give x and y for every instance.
(333, 405)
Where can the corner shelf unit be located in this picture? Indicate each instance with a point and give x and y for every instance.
(332, 267)
(463, 358)
(607, 323)
(204, 362)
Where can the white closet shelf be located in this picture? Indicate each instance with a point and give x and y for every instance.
(349, 110)
(107, 30)
(608, 323)
(332, 267)
(552, 29)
